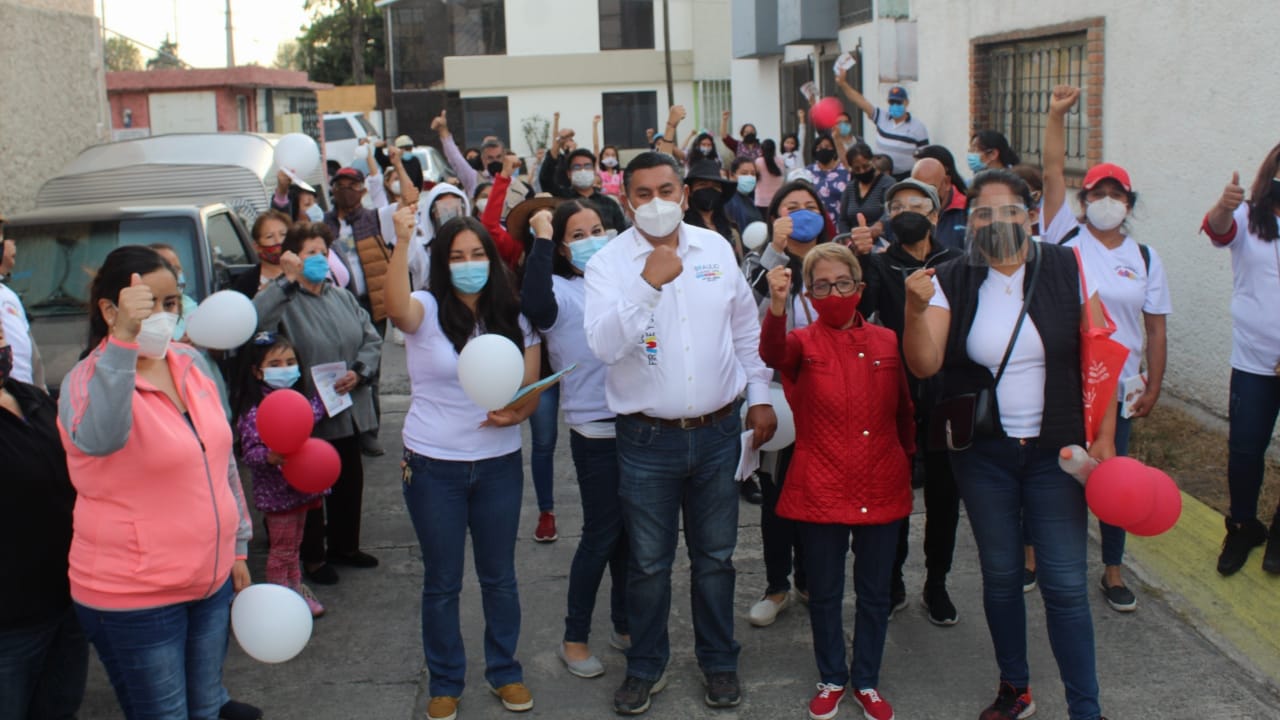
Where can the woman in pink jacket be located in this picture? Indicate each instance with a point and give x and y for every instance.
(160, 525)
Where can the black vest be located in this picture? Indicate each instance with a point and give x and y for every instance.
(1055, 310)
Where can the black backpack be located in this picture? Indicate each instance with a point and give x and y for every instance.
(1146, 251)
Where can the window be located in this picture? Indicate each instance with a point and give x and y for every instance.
(627, 115)
(224, 241)
(338, 129)
(854, 12)
(457, 27)
(791, 77)
(483, 117)
(714, 97)
(827, 76)
(478, 27)
(242, 113)
(1015, 81)
(626, 25)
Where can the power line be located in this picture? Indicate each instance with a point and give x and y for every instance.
(159, 52)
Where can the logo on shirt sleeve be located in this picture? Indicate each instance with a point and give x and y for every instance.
(650, 342)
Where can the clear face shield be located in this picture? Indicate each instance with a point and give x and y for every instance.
(997, 235)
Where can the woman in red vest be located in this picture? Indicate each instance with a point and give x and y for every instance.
(851, 471)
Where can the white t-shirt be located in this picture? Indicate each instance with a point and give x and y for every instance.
(17, 332)
(1126, 288)
(352, 257)
(442, 422)
(1255, 268)
(582, 398)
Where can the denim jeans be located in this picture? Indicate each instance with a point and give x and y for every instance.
(1002, 481)
(165, 663)
(604, 539)
(825, 550)
(543, 425)
(43, 669)
(1112, 536)
(666, 471)
(781, 540)
(1255, 403)
(446, 498)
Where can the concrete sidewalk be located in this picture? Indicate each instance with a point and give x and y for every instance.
(365, 657)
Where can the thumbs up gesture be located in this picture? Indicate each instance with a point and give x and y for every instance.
(134, 304)
(1232, 194)
(861, 240)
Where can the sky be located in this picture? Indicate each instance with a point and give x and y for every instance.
(259, 26)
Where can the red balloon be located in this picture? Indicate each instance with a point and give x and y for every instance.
(285, 420)
(1121, 492)
(314, 467)
(1168, 506)
(825, 112)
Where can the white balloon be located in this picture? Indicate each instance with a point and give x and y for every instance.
(271, 622)
(755, 235)
(490, 369)
(299, 153)
(786, 432)
(224, 321)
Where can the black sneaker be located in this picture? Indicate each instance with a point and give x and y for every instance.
(897, 596)
(323, 575)
(235, 710)
(1011, 704)
(1119, 597)
(750, 491)
(1241, 538)
(355, 559)
(1028, 580)
(635, 694)
(938, 606)
(1271, 560)
(723, 690)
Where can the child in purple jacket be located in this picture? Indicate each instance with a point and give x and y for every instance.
(273, 365)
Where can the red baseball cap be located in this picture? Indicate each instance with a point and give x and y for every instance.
(1107, 171)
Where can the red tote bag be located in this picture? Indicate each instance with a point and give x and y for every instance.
(1101, 362)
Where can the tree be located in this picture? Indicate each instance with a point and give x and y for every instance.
(288, 56)
(325, 48)
(166, 57)
(121, 54)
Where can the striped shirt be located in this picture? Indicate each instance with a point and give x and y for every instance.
(899, 140)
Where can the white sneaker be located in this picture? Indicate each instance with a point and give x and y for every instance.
(764, 612)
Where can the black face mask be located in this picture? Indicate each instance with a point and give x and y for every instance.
(6, 363)
(824, 156)
(749, 138)
(910, 228)
(1275, 191)
(865, 177)
(706, 199)
(475, 163)
(494, 168)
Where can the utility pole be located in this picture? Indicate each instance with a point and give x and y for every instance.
(666, 48)
(231, 45)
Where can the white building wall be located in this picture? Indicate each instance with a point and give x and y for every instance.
(1182, 108)
(538, 27)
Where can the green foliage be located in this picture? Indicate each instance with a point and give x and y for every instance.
(537, 131)
(166, 58)
(288, 56)
(325, 47)
(121, 54)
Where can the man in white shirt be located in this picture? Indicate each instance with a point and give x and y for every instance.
(14, 316)
(673, 320)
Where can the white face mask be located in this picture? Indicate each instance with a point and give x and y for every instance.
(583, 179)
(155, 334)
(481, 204)
(395, 187)
(1106, 214)
(659, 218)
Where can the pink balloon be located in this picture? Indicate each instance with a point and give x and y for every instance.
(1168, 506)
(314, 467)
(825, 112)
(1121, 492)
(285, 421)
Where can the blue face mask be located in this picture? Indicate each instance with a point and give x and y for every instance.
(469, 277)
(897, 110)
(315, 214)
(975, 163)
(281, 377)
(746, 184)
(806, 225)
(582, 250)
(846, 128)
(315, 268)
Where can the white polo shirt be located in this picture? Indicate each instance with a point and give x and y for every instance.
(1255, 269)
(686, 350)
(899, 139)
(17, 333)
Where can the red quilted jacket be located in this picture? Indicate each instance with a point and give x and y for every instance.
(855, 428)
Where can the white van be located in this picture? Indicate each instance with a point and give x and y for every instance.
(342, 134)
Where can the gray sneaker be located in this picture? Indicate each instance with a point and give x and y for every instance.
(589, 668)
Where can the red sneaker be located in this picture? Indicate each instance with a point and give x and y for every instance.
(546, 531)
(826, 703)
(874, 707)
(1010, 704)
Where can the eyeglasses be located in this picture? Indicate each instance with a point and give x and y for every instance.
(822, 288)
(924, 206)
(998, 213)
(266, 337)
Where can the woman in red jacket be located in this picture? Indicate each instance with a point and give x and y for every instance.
(851, 472)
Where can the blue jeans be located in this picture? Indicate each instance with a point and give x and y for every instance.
(1002, 481)
(666, 471)
(446, 498)
(604, 539)
(543, 424)
(1255, 403)
(43, 669)
(165, 663)
(875, 548)
(1112, 536)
